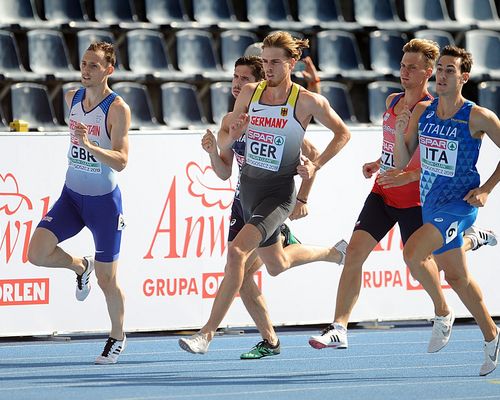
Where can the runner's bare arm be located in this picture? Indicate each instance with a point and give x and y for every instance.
(406, 144)
(222, 162)
(318, 107)
(237, 123)
(484, 121)
(301, 210)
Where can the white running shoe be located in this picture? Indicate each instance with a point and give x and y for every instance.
(334, 336)
(441, 332)
(490, 356)
(83, 280)
(196, 344)
(341, 247)
(112, 350)
(480, 237)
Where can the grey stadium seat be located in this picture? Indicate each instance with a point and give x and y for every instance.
(30, 102)
(49, 55)
(377, 95)
(139, 101)
(180, 105)
(489, 95)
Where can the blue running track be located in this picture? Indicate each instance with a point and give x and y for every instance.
(379, 364)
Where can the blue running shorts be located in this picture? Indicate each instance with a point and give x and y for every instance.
(451, 220)
(102, 215)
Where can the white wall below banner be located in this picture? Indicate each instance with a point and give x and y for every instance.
(174, 246)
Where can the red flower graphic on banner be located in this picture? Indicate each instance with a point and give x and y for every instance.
(10, 198)
(206, 184)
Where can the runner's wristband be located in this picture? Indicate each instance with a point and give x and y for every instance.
(302, 201)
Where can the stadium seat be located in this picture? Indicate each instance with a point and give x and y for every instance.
(273, 13)
(431, 14)
(11, 67)
(377, 95)
(119, 12)
(485, 48)
(168, 13)
(489, 95)
(48, 55)
(65, 88)
(339, 56)
(180, 106)
(324, 14)
(148, 55)
(68, 12)
(196, 54)
(381, 14)
(30, 102)
(19, 13)
(386, 50)
(221, 100)
(478, 13)
(339, 98)
(233, 44)
(88, 36)
(218, 13)
(442, 38)
(139, 101)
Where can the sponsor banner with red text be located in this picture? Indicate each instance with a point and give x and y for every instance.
(174, 245)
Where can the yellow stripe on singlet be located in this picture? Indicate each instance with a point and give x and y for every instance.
(258, 92)
(294, 94)
(292, 99)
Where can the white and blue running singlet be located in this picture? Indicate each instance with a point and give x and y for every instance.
(448, 155)
(86, 175)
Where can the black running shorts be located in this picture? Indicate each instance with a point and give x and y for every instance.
(377, 218)
(266, 205)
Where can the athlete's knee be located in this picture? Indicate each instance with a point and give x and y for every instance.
(236, 256)
(411, 256)
(37, 254)
(35, 257)
(275, 269)
(355, 256)
(107, 282)
(456, 281)
(42, 244)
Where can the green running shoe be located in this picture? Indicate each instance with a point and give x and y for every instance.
(262, 349)
(288, 237)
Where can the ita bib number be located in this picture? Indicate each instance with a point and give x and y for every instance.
(438, 155)
(264, 150)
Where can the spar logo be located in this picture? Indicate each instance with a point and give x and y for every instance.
(207, 287)
(18, 218)
(15, 292)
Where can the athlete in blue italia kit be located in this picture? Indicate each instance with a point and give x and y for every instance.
(99, 122)
(450, 130)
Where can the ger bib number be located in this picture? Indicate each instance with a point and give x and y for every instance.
(264, 150)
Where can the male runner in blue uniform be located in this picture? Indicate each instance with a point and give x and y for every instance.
(99, 124)
(449, 131)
